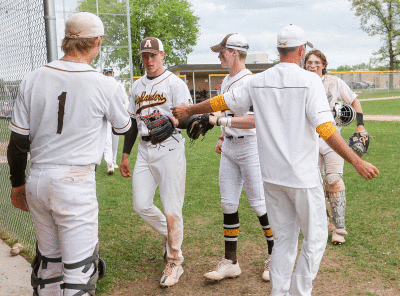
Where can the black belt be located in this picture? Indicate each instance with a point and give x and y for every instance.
(148, 138)
(231, 137)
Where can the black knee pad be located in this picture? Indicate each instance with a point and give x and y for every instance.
(42, 260)
(98, 273)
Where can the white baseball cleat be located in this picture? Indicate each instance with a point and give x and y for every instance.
(331, 227)
(171, 275)
(224, 269)
(115, 165)
(110, 168)
(265, 275)
(338, 236)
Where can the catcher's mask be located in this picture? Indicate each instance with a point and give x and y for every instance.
(343, 113)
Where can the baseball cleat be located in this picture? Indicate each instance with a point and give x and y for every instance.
(224, 269)
(171, 275)
(338, 238)
(331, 227)
(265, 275)
(110, 168)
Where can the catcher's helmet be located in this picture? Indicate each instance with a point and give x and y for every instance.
(107, 69)
(343, 113)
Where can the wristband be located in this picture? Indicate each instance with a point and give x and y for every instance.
(226, 121)
(221, 138)
(360, 118)
(217, 121)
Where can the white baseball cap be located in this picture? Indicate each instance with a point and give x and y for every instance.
(83, 25)
(234, 40)
(292, 36)
(151, 44)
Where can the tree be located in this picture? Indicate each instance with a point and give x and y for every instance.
(382, 17)
(172, 21)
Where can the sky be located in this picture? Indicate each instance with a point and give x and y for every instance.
(330, 25)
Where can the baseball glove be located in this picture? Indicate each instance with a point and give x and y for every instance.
(160, 129)
(198, 125)
(355, 142)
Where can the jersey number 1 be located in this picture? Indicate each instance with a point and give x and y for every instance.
(61, 105)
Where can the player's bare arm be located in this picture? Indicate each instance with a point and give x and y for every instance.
(336, 142)
(184, 111)
(242, 122)
(129, 141)
(216, 103)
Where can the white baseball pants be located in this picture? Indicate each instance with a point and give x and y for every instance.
(162, 165)
(111, 147)
(291, 210)
(240, 165)
(63, 206)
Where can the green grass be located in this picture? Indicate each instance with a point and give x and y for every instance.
(373, 210)
(381, 107)
(132, 249)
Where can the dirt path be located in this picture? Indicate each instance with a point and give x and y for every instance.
(337, 276)
(379, 99)
(382, 117)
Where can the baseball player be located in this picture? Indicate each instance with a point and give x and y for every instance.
(111, 148)
(330, 163)
(240, 163)
(289, 105)
(162, 165)
(60, 116)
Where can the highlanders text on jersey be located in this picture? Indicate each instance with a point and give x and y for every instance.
(54, 114)
(151, 98)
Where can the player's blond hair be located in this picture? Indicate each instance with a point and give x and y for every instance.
(319, 55)
(82, 45)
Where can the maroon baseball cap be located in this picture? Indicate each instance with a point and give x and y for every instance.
(234, 40)
(151, 44)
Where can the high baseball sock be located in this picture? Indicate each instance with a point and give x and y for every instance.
(267, 232)
(231, 232)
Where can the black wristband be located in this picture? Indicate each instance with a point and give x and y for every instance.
(221, 138)
(360, 118)
(217, 121)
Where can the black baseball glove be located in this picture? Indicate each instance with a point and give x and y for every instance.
(198, 125)
(355, 142)
(160, 129)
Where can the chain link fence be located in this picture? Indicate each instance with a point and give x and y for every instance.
(22, 49)
(370, 83)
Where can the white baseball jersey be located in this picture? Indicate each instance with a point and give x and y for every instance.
(66, 114)
(154, 97)
(289, 104)
(160, 165)
(232, 82)
(336, 89)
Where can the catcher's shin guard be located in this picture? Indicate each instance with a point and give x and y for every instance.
(231, 233)
(43, 261)
(98, 273)
(337, 198)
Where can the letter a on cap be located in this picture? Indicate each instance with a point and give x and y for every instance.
(148, 43)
